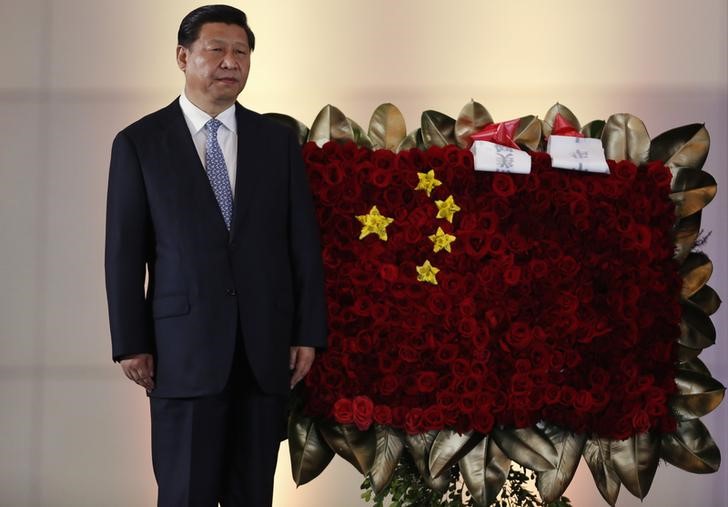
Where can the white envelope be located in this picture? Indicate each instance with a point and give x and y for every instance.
(577, 153)
(496, 158)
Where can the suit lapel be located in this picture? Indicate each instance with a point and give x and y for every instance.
(249, 166)
(196, 195)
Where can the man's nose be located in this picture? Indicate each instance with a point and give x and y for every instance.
(229, 61)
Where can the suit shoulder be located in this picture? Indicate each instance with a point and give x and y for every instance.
(156, 121)
(270, 127)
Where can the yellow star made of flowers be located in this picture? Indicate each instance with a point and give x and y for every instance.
(427, 272)
(427, 182)
(374, 223)
(447, 208)
(442, 240)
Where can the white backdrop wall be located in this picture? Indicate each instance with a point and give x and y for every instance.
(73, 432)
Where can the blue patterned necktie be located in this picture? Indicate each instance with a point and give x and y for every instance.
(217, 172)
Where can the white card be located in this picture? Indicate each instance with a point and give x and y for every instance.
(577, 153)
(493, 157)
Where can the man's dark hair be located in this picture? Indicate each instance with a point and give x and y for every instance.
(189, 29)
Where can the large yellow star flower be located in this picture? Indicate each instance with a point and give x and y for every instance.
(374, 223)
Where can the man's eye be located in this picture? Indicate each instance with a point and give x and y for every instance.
(216, 49)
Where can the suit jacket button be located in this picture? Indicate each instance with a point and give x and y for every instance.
(231, 292)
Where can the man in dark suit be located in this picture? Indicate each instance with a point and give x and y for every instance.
(209, 207)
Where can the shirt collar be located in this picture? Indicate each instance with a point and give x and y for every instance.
(197, 118)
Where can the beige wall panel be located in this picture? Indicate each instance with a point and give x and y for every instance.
(18, 445)
(75, 298)
(23, 26)
(96, 444)
(21, 216)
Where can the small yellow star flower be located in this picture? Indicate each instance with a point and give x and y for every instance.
(447, 208)
(427, 272)
(374, 223)
(427, 182)
(442, 240)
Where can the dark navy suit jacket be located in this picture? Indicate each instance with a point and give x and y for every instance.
(264, 277)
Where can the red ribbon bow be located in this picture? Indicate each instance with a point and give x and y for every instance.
(499, 133)
(562, 127)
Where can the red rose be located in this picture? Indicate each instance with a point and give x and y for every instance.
(512, 275)
(380, 178)
(389, 272)
(640, 421)
(503, 185)
(413, 421)
(433, 418)
(383, 159)
(426, 381)
(519, 335)
(438, 303)
(483, 420)
(363, 410)
(382, 415)
(388, 385)
(344, 411)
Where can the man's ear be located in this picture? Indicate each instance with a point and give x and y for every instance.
(182, 54)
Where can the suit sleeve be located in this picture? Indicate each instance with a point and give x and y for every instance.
(128, 249)
(310, 327)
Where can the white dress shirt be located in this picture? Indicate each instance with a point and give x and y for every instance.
(227, 134)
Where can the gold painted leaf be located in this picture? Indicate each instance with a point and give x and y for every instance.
(449, 446)
(419, 446)
(594, 129)
(696, 329)
(529, 447)
(625, 138)
(706, 299)
(695, 365)
(529, 134)
(551, 484)
(686, 353)
(682, 148)
(687, 230)
(330, 125)
(635, 461)
(692, 191)
(390, 445)
(691, 448)
(437, 129)
(360, 137)
(485, 470)
(598, 456)
(356, 447)
(565, 112)
(413, 140)
(698, 395)
(472, 118)
(695, 272)
(387, 127)
(299, 128)
(309, 453)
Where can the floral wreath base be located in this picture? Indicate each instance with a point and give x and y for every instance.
(551, 451)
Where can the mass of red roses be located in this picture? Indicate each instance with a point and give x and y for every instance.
(559, 301)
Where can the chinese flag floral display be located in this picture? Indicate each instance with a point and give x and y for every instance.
(530, 317)
(555, 298)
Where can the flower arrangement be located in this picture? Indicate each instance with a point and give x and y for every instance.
(478, 318)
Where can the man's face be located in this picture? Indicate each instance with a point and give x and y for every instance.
(216, 66)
